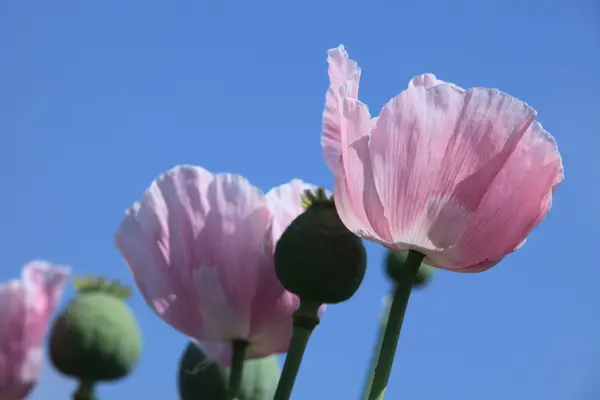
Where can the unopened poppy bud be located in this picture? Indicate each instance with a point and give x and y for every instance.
(96, 338)
(317, 257)
(395, 265)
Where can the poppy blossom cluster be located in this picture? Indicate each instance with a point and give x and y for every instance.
(452, 177)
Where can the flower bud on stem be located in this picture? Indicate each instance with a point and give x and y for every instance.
(237, 368)
(85, 391)
(391, 334)
(306, 318)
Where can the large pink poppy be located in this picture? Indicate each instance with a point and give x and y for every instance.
(462, 176)
(200, 247)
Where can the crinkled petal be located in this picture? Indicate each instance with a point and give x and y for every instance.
(428, 81)
(436, 154)
(343, 72)
(355, 195)
(514, 204)
(285, 203)
(26, 307)
(194, 245)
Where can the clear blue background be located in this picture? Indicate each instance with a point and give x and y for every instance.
(99, 97)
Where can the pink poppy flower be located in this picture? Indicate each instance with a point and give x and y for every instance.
(26, 307)
(462, 176)
(200, 247)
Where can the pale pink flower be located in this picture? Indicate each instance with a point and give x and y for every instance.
(26, 307)
(200, 247)
(462, 176)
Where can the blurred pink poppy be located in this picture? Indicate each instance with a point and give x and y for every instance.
(200, 247)
(462, 176)
(26, 307)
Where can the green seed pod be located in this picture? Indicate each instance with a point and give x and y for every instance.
(395, 264)
(96, 338)
(201, 378)
(318, 258)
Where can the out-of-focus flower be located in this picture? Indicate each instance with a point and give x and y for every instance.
(462, 176)
(26, 307)
(200, 247)
(202, 378)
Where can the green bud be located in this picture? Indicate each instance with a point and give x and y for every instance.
(318, 258)
(395, 264)
(201, 378)
(96, 337)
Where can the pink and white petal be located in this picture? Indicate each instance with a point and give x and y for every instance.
(355, 195)
(12, 336)
(428, 81)
(190, 220)
(156, 239)
(342, 72)
(26, 307)
(232, 242)
(407, 147)
(272, 318)
(44, 284)
(451, 146)
(221, 352)
(425, 80)
(285, 203)
(515, 203)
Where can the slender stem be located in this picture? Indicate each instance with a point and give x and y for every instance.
(306, 318)
(85, 391)
(387, 352)
(376, 351)
(237, 368)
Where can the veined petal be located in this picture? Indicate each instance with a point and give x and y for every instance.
(285, 203)
(436, 153)
(342, 72)
(355, 195)
(425, 80)
(44, 285)
(428, 81)
(26, 307)
(518, 199)
(194, 246)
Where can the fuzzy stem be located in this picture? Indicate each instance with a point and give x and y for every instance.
(387, 351)
(306, 318)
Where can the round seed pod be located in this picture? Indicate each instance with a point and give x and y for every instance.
(96, 338)
(395, 264)
(318, 258)
(201, 378)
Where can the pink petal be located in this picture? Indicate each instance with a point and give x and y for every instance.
(343, 72)
(438, 152)
(430, 80)
(425, 80)
(193, 245)
(285, 203)
(514, 203)
(26, 307)
(200, 247)
(355, 195)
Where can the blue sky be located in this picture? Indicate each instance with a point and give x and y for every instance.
(97, 98)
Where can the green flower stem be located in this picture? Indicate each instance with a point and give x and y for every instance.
(391, 334)
(306, 318)
(376, 351)
(85, 391)
(237, 369)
